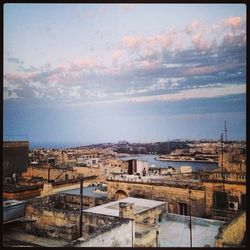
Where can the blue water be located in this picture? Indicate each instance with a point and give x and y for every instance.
(152, 161)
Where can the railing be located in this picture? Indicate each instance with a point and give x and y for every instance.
(224, 214)
(12, 188)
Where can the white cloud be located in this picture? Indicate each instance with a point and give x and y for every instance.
(207, 92)
(73, 92)
(10, 95)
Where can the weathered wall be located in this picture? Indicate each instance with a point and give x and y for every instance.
(150, 216)
(55, 173)
(233, 161)
(116, 235)
(58, 216)
(15, 157)
(22, 195)
(172, 195)
(232, 234)
(93, 222)
(146, 237)
(232, 189)
(53, 217)
(87, 171)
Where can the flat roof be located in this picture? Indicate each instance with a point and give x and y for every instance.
(112, 208)
(87, 191)
(175, 232)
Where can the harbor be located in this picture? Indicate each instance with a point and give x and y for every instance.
(154, 161)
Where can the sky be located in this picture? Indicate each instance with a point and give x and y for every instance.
(92, 73)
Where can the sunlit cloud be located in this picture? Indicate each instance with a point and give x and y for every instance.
(132, 42)
(233, 22)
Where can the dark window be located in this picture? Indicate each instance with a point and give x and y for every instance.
(220, 200)
(243, 202)
(91, 229)
(66, 177)
(183, 208)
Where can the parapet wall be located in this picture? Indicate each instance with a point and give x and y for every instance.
(173, 195)
(117, 234)
(232, 234)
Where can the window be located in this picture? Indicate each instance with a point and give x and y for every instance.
(183, 208)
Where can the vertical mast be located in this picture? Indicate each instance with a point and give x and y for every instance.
(190, 213)
(222, 163)
(225, 129)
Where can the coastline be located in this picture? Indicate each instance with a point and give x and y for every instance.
(185, 160)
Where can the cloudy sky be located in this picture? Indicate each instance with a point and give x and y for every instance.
(87, 73)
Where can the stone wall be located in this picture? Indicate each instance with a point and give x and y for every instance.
(173, 195)
(236, 189)
(22, 195)
(88, 171)
(15, 157)
(146, 236)
(93, 222)
(118, 234)
(59, 212)
(232, 234)
(151, 216)
(55, 173)
(64, 224)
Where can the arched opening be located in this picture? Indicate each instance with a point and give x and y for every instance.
(120, 194)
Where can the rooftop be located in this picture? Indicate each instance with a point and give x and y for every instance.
(175, 232)
(112, 208)
(87, 191)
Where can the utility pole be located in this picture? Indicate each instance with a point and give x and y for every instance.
(190, 214)
(222, 164)
(225, 130)
(81, 196)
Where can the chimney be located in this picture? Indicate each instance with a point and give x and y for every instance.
(126, 210)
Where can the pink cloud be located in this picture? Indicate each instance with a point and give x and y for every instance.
(54, 78)
(233, 22)
(152, 42)
(82, 64)
(117, 54)
(178, 45)
(149, 64)
(166, 40)
(14, 77)
(193, 27)
(209, 69)
(132, 42)
(199, 42)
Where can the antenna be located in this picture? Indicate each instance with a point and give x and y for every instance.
(190, 213)
(225, 130)
(222, 160)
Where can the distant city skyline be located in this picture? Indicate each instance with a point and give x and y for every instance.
(89, 73)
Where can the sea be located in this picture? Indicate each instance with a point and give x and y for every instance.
(153, 162)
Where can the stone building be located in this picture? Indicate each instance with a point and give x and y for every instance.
(15, 157)
(175, 194)
(50, 173)
(206, 196)
(143, 213)
(57, 216)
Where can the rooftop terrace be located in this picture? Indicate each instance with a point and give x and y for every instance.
(175, 232)
(112, 208)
